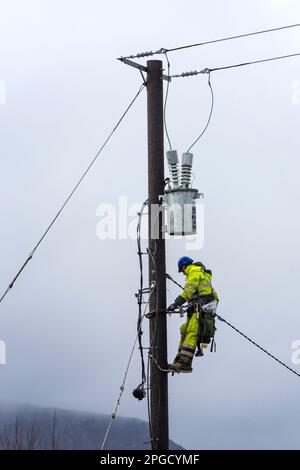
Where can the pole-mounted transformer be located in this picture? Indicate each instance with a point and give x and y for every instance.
(180, 198)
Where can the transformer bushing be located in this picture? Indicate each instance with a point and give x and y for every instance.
(186, 169)
(173, 166)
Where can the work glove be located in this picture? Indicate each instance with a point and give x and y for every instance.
(179, 301)
(172, 307)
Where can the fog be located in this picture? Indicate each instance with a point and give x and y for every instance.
(70, 321)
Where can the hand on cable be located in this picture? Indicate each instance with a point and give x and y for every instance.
(172, 307)
(178, 302)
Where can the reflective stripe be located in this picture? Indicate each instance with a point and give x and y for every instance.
(206, 286)
(187, 353)
(190, 285)
(188, 348)
(189, 291)
(190, 288)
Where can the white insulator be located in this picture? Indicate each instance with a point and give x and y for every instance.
(186, 169)
(173, 166)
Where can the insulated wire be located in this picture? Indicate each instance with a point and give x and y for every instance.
(141, 290)
(209, 117)
(243, 64)
(149, 400)
(122, 388)
(140, 318)
(229, 38)
(214, 41)
(245, 336)
(260, 61)
(257, 345)
(165, 104)
(152, 349)
(71, 194)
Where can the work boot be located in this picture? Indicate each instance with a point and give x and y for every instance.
(177, 358)
(175, 367)
(176, 363)
(179, 367)
(181, 364)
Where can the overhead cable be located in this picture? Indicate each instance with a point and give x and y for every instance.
(257, 345)
(188, 46)
(209, 116)
(242, 334)
(71, 194)
(243, 64)
(229, 38)
(165, 105)
(152, 352)
(140, 296)
(122, 388)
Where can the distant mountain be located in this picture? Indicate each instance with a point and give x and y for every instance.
(34, 427)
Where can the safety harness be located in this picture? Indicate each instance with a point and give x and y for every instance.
(206, 319)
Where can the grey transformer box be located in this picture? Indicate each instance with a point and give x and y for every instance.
(180, 198)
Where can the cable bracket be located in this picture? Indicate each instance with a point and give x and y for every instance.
(141, 67)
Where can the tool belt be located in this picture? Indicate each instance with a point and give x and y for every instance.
(195, 304)
(206, 326)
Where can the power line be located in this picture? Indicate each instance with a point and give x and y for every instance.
(209, 116)
(215, 69)
(229, 38)
(139, 392)
(256, 62)
(139, 295)
(257, 345)
(242, 334)
(71, 193)
(152, 352)
(165, 104)
(188, 46)
(122, 388)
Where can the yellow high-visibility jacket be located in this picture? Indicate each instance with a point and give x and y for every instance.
(198, 282)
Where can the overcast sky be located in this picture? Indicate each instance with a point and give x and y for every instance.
(69, 323)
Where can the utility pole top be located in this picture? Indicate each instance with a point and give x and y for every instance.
(141, 67)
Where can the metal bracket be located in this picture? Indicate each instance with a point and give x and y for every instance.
(153, 313)
(141, 67)
(143, 78)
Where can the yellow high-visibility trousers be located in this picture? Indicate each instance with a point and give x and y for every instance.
(189, 334)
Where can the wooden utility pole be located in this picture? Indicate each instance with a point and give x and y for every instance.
(157, 260)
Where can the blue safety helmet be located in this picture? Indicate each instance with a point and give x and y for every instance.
(184, 261)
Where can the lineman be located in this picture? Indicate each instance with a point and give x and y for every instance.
(202, 297)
